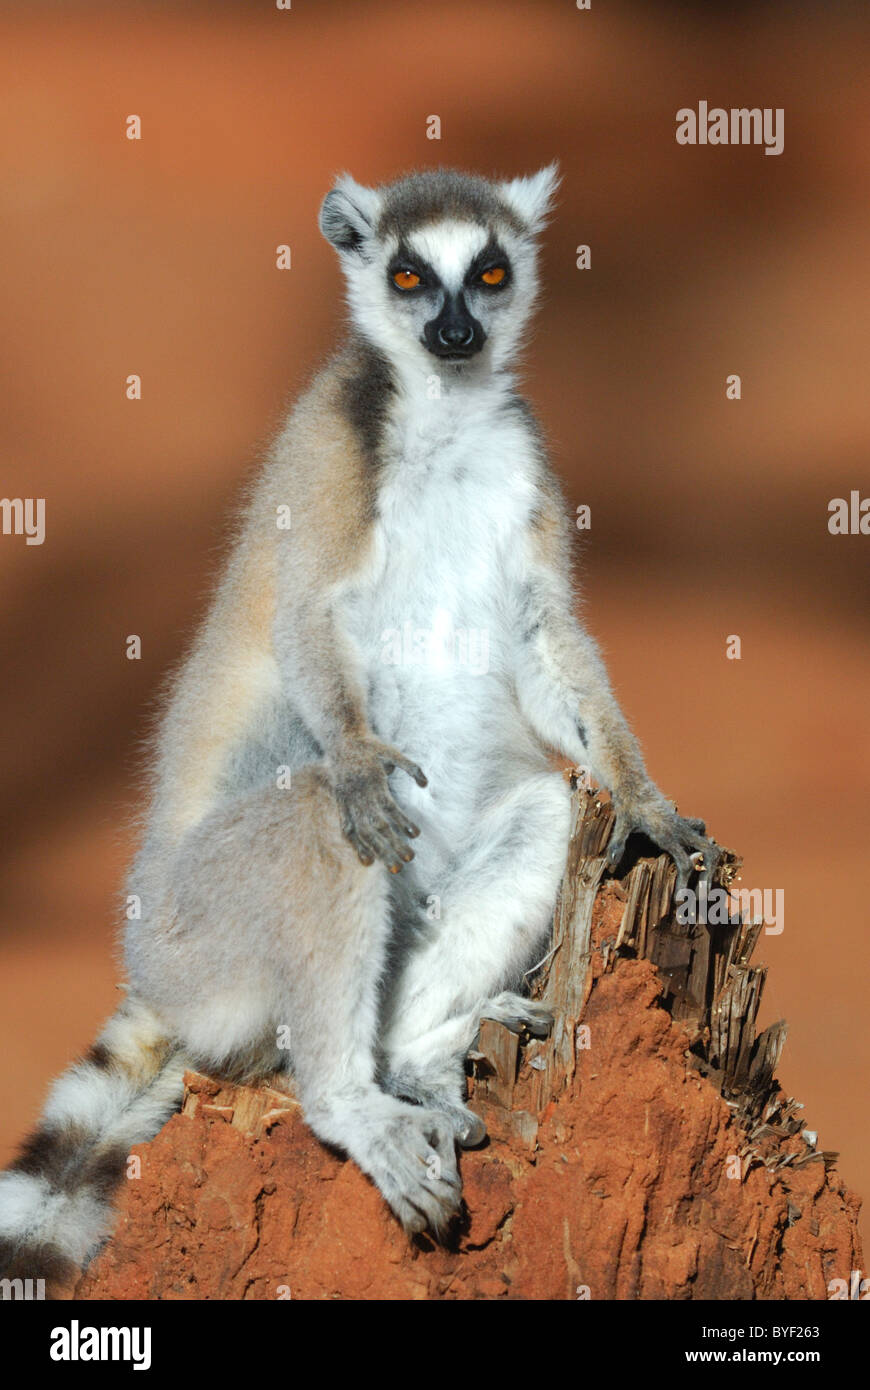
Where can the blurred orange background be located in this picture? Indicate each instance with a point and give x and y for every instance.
(709, 516)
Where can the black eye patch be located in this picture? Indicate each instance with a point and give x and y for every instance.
(408, 261)
(491, 259)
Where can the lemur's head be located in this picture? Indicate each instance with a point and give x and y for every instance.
(440, 265)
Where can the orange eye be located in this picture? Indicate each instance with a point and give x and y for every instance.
(406, 279)
(494, 275)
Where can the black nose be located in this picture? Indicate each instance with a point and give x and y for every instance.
(455, 335)
(454, 332)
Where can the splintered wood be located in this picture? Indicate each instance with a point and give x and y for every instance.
(250, 1109)
(707, 981)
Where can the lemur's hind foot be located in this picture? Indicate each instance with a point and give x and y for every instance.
(469, 1129)
(520, 1015)
(413, 1162)
(409, 1153)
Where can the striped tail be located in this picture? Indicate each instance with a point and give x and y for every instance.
(56, 1204)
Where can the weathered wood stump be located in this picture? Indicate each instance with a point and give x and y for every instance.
(708, 983)
(644, 1150)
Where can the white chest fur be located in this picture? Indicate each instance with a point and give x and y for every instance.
(432, 618)
(456, 492)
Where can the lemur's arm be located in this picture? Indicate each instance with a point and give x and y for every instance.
(565, 694)
(328, 694)
(329, 546)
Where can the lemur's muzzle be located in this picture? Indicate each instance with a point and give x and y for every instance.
(454, 333)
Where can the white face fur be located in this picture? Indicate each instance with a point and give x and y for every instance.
(435, 287)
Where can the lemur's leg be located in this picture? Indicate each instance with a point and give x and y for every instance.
(276, 927)
(495, 909)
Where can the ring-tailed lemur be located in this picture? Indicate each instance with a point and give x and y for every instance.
(334, 670)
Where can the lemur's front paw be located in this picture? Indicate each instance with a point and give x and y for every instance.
(682, 837)
(370, 819)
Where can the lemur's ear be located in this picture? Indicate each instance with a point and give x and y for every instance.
(349, 214)
(531, 197)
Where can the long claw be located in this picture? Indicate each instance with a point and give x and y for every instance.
(616, 848)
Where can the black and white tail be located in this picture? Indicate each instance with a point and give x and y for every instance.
(56, 1197)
